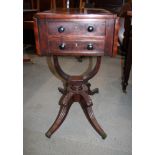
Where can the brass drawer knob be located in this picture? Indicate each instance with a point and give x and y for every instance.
(90, 29)
(62, 46)
(90, 46)
(61, 29)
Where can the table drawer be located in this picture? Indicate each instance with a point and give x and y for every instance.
(76, 47)
(89, 28)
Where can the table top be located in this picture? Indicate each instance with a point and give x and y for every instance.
(76, 13)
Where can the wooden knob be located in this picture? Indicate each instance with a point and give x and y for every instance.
(90, 29)
(61, 29)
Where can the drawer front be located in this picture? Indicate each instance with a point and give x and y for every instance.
(89, 28)
(77, 47)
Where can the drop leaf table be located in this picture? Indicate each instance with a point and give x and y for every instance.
(75, 32)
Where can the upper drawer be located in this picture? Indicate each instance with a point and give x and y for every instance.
(89, 28)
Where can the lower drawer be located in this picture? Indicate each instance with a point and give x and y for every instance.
(76, 47)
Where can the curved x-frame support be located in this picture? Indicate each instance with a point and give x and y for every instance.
(87, 77)
(77, 90)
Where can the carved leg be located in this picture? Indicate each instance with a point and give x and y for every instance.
(124, 85)
(76, 90)
(62, 90)
(127, 66)
(64, 108)
(91, 118)
(92, 92)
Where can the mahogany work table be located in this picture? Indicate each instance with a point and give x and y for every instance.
(75, 32)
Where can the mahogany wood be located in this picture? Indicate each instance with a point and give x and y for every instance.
(77, 90)
(76, 28)
(75, 32)
(75, 23)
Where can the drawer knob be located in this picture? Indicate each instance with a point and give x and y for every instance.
(62, 46)
(61, 29)
(90, 29)
(90, 46)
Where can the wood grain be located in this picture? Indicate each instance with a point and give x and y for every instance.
(75, 23)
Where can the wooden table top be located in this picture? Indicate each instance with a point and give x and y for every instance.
(76, 13)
